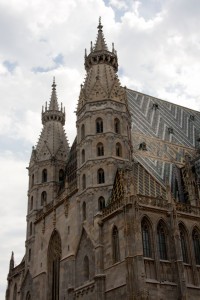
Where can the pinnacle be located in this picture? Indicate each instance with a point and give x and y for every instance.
(100, 42)
(53, 105)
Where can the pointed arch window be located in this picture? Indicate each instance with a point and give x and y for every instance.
(44, 175)
(31, 229)
(28, 296)
(83, 182)
(32, 180)
(146, 239)
(115, 245)
(196, 244)
(54, 256)
(86, 268)
(43, 198)
(117, 125)
(83, 156)
(84, 211)
(82, 131)
(99, 125)
(15, 292)
(31, 205)
(61, 175)
(118, 149)
(162, 244)
(100, 176)
(100, 149)
(184, 244)
(101, 203)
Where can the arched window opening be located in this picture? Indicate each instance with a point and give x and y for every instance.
(162, 246)
(31, 228)
(29, 254)
(146, 239)
(117, 125)
(183, 240)
(86, 268)
(100, 149)
(99, 125)
(196, 244)
(82, 131)
(28, 296)
(84, 211)
(100, 176)
(44, 175)
(31, 205)
(118, 149)
(115, 245)
(32, 180)
(54, 256)
(101, 203)
(83, 156)
(43, 198)
(61, 175)
(15, 292)
(83, 181)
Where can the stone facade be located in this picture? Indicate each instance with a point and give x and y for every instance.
(116, 216)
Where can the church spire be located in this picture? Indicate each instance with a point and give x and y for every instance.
(53, 105)
(100, 42)
(12, 264)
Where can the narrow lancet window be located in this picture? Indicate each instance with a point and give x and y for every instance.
(115, 245)
(146, 239)
(162, 246)
(99, 125)
(100, 176)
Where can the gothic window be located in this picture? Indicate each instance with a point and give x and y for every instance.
(32, 180)
(183, 240)
(100, 149)
(28, 296)
(86, 268)
(117, 125)
(83, 182)
(43, 198)
(15, 292)
(162, 237)
(31, 206)
(83, 156)
(84, 211)
(44, 175)
(101, 203)
(146, 239)
(196, 244)
(100, 176)
(61, 175)
(29, 254)
(31, 228)
(115, 245)
(82, 131)
(99, 125)
(54, 256)
(118, 149)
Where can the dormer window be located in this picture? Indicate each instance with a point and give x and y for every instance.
(143, 146)
(170, 130)
(155, 106)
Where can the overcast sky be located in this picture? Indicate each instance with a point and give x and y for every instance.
(158, 45)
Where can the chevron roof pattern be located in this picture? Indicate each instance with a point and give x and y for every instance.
(168, 131)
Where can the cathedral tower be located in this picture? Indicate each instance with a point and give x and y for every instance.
(103, 127)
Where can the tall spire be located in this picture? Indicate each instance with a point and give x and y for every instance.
(12, 261)
(100, 42)
(53, 105)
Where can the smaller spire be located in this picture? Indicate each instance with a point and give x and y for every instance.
(12, 261)
(53, 105)
(100, 42)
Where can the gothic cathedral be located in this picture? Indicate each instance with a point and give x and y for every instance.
(117, 214)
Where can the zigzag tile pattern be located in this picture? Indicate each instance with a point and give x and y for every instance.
(169, 131)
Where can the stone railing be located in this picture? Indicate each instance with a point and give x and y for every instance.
(18, 269)
(153, 201)
(188, 272)
(149, 265)
(113, 206)
(166, 271)
(85, 289)
(187, 208)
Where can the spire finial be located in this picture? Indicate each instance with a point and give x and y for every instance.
(100, 26)
(54, 83)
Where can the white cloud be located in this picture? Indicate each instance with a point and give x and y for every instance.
(158, 44)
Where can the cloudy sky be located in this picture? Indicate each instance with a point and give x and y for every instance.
(158, 45)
